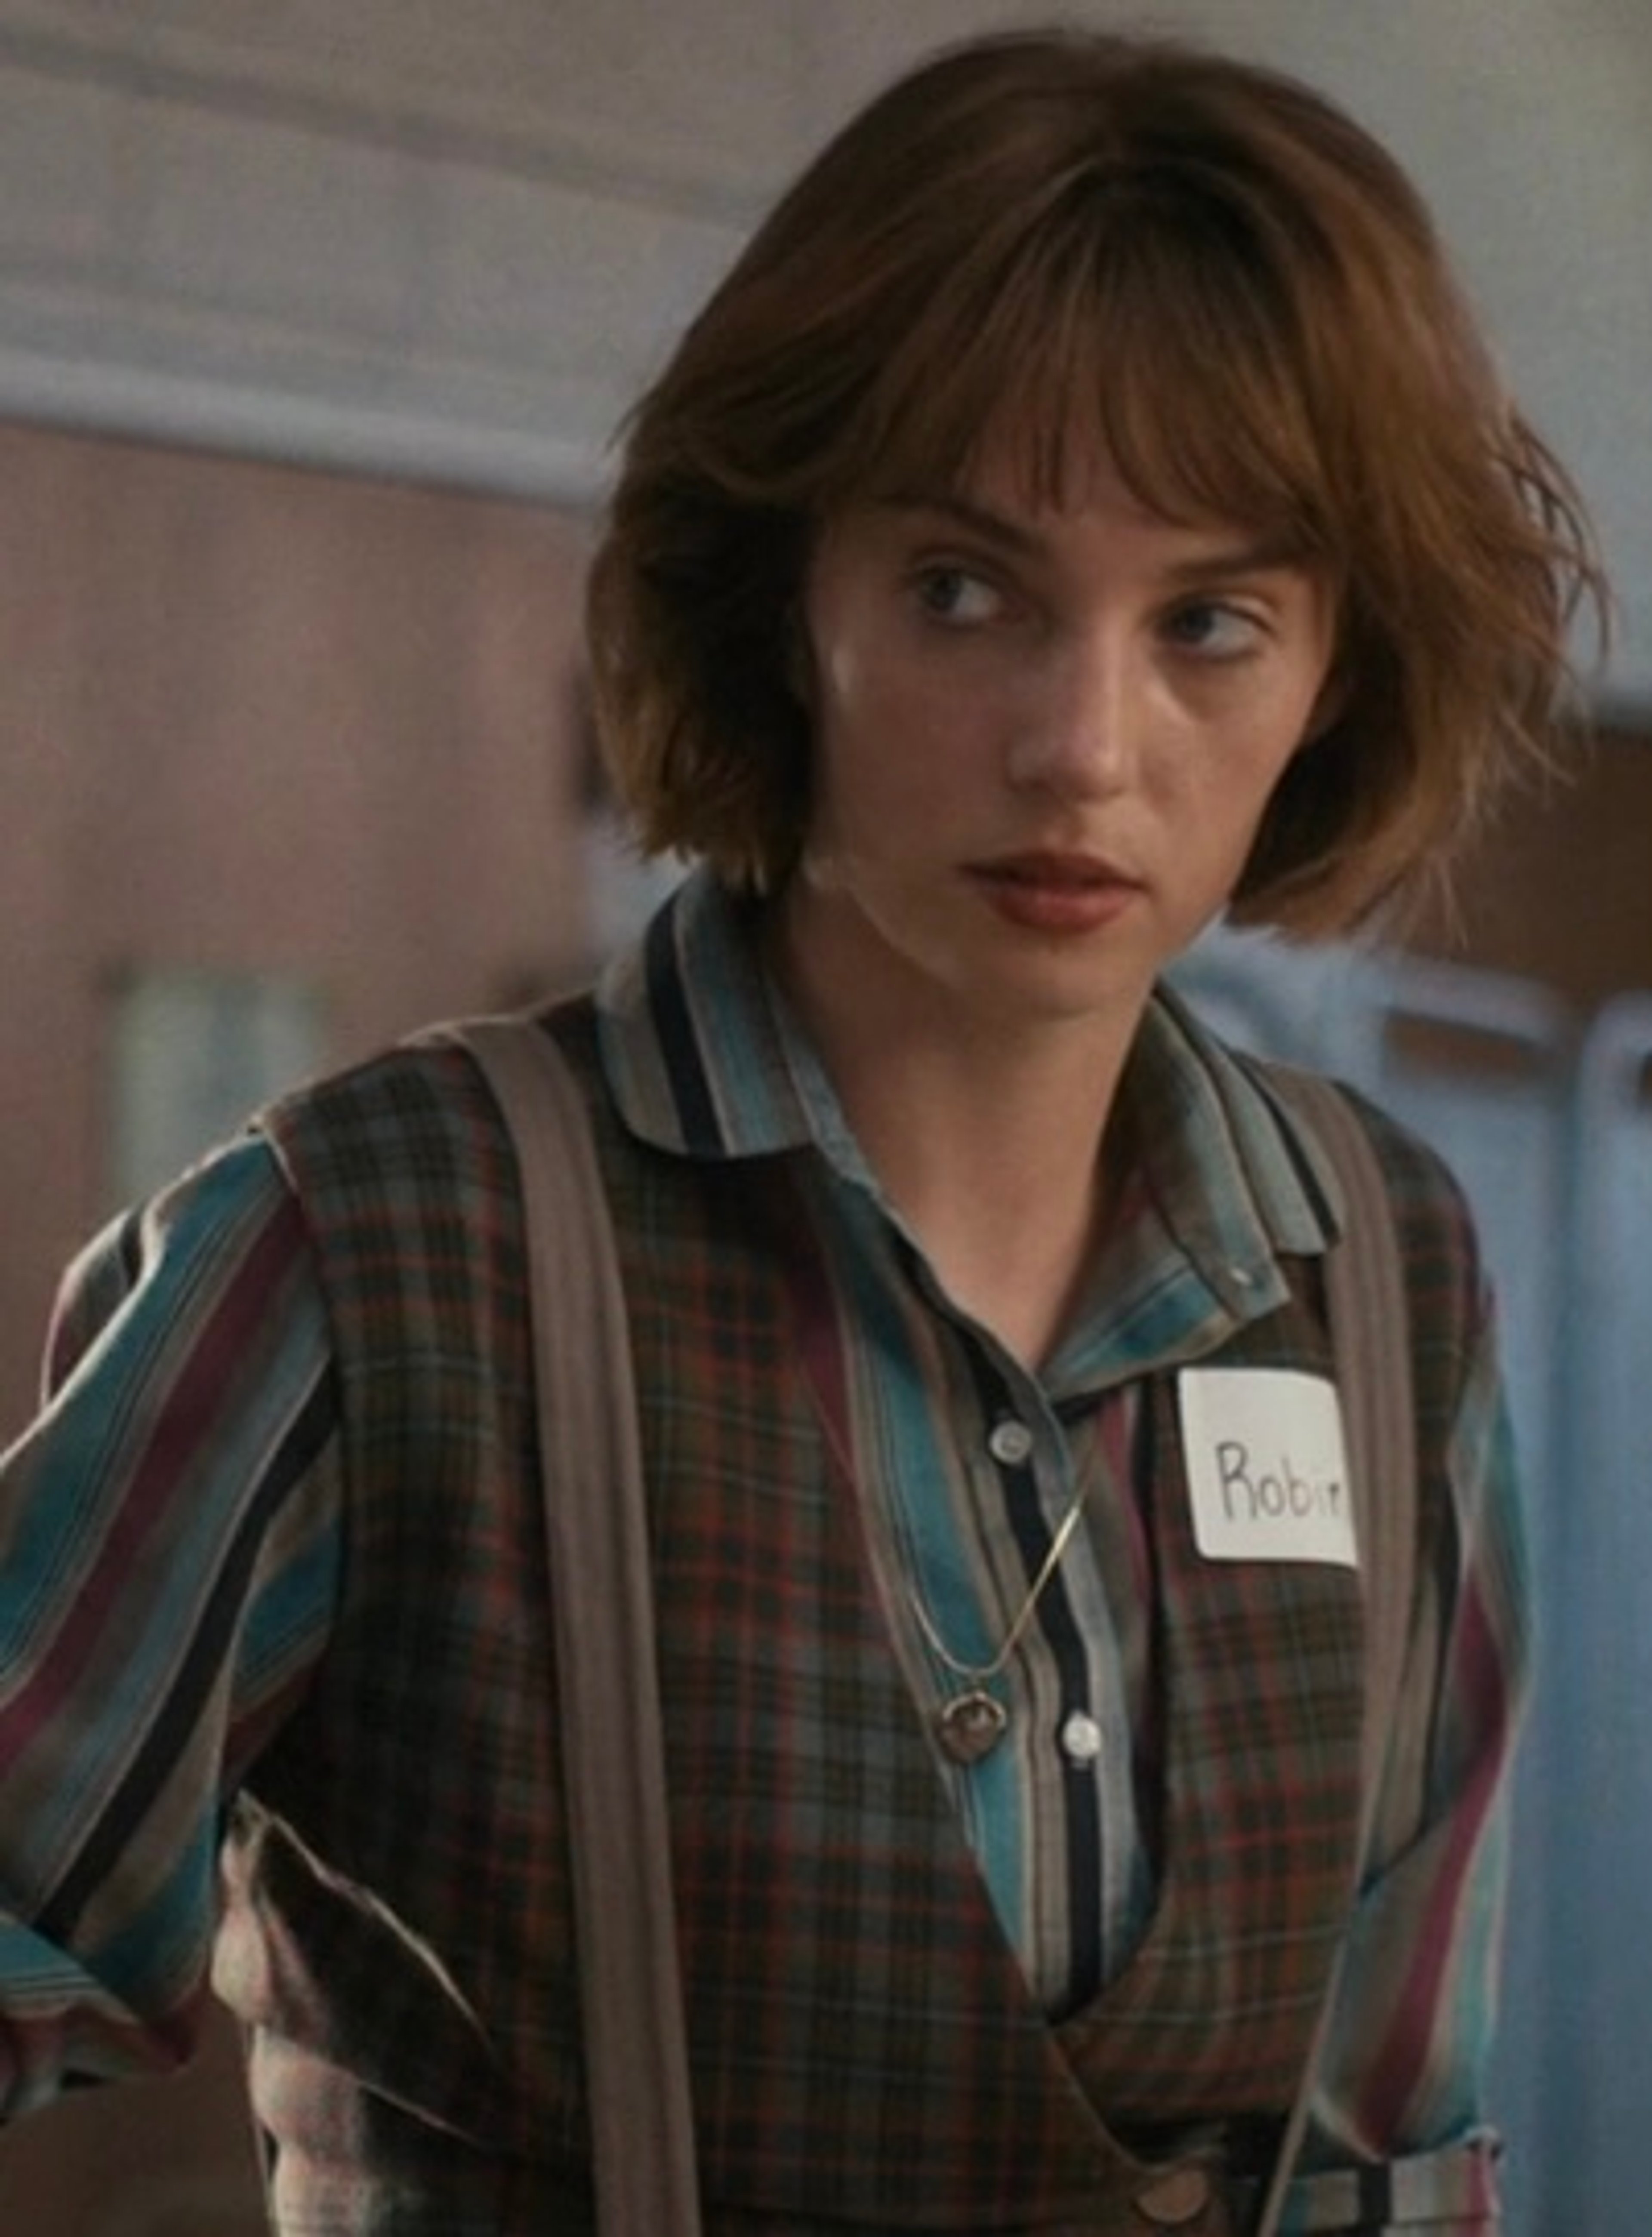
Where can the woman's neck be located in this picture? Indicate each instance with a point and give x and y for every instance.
(987, 1138)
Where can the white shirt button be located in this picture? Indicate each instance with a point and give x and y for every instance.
(1010, 1444)
(1080, 1737)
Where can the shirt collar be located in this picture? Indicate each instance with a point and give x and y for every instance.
(706, 1061)
(701, 1052)
(1237, 1183)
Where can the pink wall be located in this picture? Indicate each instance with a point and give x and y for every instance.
(258, 720)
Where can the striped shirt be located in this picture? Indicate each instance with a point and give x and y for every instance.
(172, 1528)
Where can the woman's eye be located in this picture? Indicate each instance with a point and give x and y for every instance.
(1214, 629)
(952, 594)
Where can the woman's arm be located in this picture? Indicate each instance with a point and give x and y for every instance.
(170, 1534)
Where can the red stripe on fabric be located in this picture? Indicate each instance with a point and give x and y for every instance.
(190, 1402)
(821, 1348)
(1396, 2069)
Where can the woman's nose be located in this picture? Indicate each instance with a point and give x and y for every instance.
(1079, 729)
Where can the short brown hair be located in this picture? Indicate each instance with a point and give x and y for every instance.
(1207, 265)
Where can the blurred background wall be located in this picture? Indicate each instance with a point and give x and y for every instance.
(316, 317)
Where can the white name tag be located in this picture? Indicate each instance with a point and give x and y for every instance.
(1267, 1466)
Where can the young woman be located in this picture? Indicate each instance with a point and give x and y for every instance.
(1086, 508)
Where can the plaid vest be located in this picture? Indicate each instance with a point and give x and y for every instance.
(866, 2053)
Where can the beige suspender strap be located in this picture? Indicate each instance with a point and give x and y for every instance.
(613, 1751)
(1370, 1337)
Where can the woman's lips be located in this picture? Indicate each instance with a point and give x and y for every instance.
(1055, 892)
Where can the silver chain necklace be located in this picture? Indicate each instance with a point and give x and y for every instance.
(970, 1724)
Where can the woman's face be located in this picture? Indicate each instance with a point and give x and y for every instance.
(1043, 742)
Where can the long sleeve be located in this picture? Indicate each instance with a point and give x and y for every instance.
(169, 1546)
(1405, 2068)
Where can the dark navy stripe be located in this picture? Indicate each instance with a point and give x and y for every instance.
(685, 1071)
(130, 1249)
(1082, 1814)
(1376, 2197)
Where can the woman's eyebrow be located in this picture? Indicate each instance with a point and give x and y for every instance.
(1264, 553)
(966, 512)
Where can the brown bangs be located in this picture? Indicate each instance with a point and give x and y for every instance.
(1165, 343)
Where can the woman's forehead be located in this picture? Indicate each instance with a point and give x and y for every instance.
(1015, 469)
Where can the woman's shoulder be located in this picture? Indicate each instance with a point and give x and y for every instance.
(1448, 1292)
(415, 1118)
(1425, 1195)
